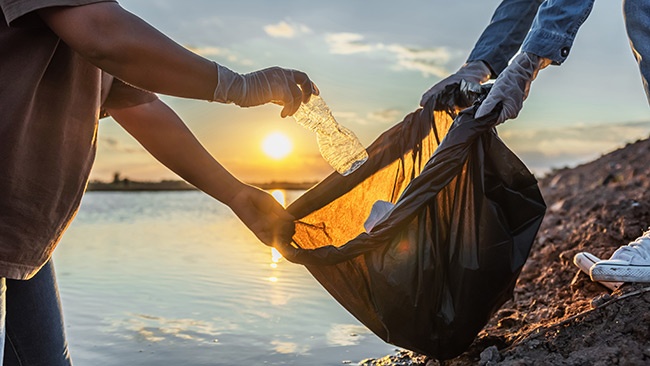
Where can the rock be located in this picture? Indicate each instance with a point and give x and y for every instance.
(490, 356)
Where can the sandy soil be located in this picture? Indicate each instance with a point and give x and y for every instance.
(558, 316)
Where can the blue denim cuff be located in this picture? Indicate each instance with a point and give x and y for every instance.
(548, 44)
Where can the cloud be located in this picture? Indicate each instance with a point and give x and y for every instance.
(580, 136)
(289, 347)
(385, 115)
(348, 43)
(114, 145)
(218, 52)
(285, 30)
(111, 142)
(382, 116)
(349, 117)
(543, 149)
(346, 334)
(156, 329)
(428, 61)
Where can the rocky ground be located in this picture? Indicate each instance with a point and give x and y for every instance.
(558, 316)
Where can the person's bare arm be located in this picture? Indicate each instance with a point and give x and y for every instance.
(167, 138)
(128, 48)
(159, 129)
(132, 50)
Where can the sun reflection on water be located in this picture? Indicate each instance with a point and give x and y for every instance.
(280, 196)
(275, 259)
(275, 256)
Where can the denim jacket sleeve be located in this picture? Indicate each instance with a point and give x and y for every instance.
(546, 28)
(555, 27)
(505, 33)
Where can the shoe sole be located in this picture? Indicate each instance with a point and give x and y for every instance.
(585, 261)
(623, 273)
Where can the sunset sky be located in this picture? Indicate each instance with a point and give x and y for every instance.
(372, 60)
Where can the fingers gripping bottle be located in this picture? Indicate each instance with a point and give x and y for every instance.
(337, 144)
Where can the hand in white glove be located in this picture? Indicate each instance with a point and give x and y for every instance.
(476, 72)
(512, 86)
(275, 84)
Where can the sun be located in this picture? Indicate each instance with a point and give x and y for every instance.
(276, 145)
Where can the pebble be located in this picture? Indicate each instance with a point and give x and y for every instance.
(600, 300)
(490, 356)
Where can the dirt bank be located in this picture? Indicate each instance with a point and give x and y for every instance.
(558, 316)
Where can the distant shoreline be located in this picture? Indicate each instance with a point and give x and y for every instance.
(179, 185)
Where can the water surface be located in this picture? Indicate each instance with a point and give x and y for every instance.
(173, 278)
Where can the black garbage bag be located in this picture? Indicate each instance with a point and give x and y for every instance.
(431, 273)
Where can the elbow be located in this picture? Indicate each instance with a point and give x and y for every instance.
(103, 42)
(96, 53)
(92, 30)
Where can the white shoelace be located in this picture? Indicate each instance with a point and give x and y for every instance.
(639, 247)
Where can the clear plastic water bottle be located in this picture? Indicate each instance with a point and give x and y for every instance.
(337, 144)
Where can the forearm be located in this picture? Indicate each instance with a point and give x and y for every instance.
(503, 37)
(105, 34)
(159, 130)
(555, 27)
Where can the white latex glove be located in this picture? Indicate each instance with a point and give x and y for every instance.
(512, 86)
(275, 84)
(476, 72)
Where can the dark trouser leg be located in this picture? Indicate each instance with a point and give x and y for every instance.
(34, 324)
(637, 24)
(3, 312)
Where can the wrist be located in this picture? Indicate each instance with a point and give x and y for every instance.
(539, 61)
(226, 83)
(487, 69)
(229, 191)
(479, 69)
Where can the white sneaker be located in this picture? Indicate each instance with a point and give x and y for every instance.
(585, 261)
(629, 263)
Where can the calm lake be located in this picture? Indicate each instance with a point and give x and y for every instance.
(173, 278)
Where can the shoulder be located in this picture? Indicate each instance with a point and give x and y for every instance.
(23, 12)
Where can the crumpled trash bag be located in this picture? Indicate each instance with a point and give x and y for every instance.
(438, 264)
